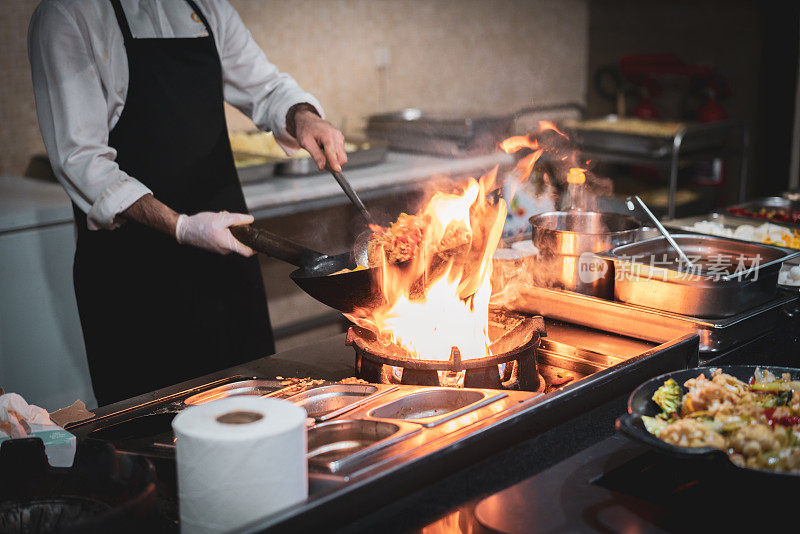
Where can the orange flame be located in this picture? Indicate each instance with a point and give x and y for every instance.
(547, 125)
(440, 298)
(524, 166)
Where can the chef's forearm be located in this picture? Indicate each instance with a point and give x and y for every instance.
(154, 214)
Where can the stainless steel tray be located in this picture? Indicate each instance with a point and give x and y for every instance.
(639, 322)
(695, 138)
(732, 222)
(713, 293)
(256, 173)
(373, 155)
(445, 134)
(336, 445)
(728, 220)
(326, 402)
(452, 125)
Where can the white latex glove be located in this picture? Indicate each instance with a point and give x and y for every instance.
(16, 414)
(210, 231)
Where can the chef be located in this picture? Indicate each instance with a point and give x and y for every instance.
(129, 95)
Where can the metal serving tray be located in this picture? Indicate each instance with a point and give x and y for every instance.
(445, 134)
(258, 172)
(769, 203)
(326, 402)
(253, 387)
(713, 294)
(432, 407)
(373, 155)
(728, 220)
(647, 323)
(339, 444)
(695, 138)
(732, 222)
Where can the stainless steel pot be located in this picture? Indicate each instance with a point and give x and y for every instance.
(567, 242)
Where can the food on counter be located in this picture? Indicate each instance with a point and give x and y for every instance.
(767, 233)
(784, 215)
(757, 423)
(401, 241)
(630, 125)
(264, 144)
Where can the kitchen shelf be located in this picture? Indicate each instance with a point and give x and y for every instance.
(694, 142)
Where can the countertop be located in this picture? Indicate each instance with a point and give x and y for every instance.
(29, 203)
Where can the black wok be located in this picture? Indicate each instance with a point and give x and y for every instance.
(344, 292)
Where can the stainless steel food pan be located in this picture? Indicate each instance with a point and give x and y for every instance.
(337, 444)
(373, 155)
(326, 402)
(432, 407)
(734, 275)
(257, 172)
(256, 387)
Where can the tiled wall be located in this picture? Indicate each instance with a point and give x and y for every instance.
(487, 55)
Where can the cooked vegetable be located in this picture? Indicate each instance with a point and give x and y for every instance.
(668, 397)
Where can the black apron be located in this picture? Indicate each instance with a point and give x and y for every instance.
(155, 312)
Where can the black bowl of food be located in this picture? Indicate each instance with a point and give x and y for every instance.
(745, 417)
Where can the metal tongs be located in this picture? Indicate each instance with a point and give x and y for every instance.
(658, 225)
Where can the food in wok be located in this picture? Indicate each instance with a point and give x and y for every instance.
(401, 241)
(757, 423)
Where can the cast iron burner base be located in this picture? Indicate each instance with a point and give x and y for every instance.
(512, 366)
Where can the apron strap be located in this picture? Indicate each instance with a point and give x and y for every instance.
(122, 21)
(202, 17)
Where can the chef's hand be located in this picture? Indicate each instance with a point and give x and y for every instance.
(211, 231)
(324, 142)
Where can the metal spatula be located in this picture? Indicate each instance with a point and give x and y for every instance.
(352, 195)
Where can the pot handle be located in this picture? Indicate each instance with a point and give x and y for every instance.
(274, 245)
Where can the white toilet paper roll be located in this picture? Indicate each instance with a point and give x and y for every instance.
(238, 459)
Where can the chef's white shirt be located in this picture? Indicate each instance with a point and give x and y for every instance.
(80, 79)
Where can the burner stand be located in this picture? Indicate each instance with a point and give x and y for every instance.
(515, 347)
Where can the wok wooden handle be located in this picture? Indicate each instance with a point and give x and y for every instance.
(274, 245)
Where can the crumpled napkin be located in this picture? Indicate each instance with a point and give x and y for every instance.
(16, 415)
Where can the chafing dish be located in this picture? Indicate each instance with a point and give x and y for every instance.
(727, 277)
